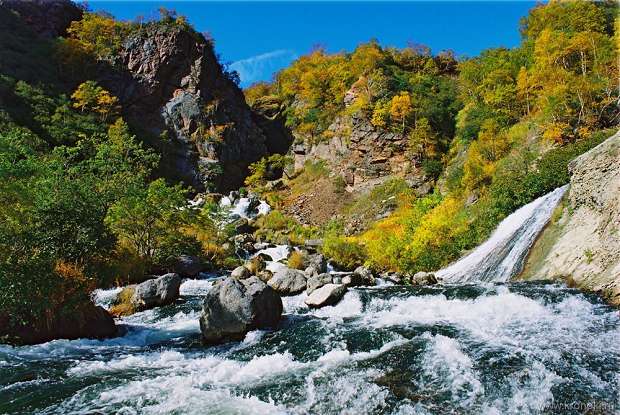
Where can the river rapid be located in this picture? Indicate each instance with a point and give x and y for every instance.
(469, 346)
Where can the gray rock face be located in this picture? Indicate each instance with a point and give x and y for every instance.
(394, 277)
(317, 262)
(240, 273)
(583, 245)
(318, 281)
(361, 276)
(423, 278)
(287, 281)
(362, 154)
(265, 275)
(157, 292)
(235, 307)
(171, 83)
(328, 294)
(189, 266)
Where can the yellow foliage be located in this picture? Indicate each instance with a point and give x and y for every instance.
(297, 260)
(91, 97)
(98, 34)
(401, 108)
(124, 304)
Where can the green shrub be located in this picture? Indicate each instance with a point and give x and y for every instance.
(344, 254)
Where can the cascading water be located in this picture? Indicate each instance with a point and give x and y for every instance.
(501, 256)
(486, 348)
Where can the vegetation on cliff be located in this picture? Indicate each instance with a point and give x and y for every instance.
(499, 129)
(82, 207)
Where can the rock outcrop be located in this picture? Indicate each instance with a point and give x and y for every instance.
(234, 307)
(172, 85)
(582, 242)
(86, 321)
(363, 155)
(47, 18)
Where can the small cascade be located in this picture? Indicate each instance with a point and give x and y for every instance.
(502, 255)
(277, 254)
(245, 207)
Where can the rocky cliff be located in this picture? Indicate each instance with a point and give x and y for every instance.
(582, 243)
(176, 95)
(48, 18)
(361, 153)
(172, 85)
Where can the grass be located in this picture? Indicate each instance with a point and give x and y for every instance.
(124, 305)
(297, 260)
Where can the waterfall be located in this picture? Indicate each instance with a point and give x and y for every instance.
(502, 255)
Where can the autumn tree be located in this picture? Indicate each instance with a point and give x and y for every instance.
(401, 108)
(89, 96)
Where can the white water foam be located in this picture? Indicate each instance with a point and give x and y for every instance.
(105, 298)
(277, 253)
(241, 208)
(195, 287)
(448, 368)
(501, 256)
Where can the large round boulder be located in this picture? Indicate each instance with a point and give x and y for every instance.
(157, 292)
(328, 294)
(288, 281)
(234, 307)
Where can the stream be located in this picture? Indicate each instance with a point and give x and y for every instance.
(475, 344)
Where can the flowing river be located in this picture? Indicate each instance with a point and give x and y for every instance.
(469, 347)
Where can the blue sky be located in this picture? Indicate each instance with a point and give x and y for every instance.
(258, 38)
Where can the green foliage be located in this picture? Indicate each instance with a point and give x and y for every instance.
(277, 227)
(91, 97)
(99, 34)
(267, 168)
(390, 87)
(343, 253)
(150, 219)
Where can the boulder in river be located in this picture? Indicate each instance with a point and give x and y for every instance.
(84, 321)
(317, 262)
(240, 273)
(152, 293)
(157, 292)
(423, 278)
(328, 294)
(361, 276)
(234, 307)
(288, 281)
(318, 281)
(394, 277)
